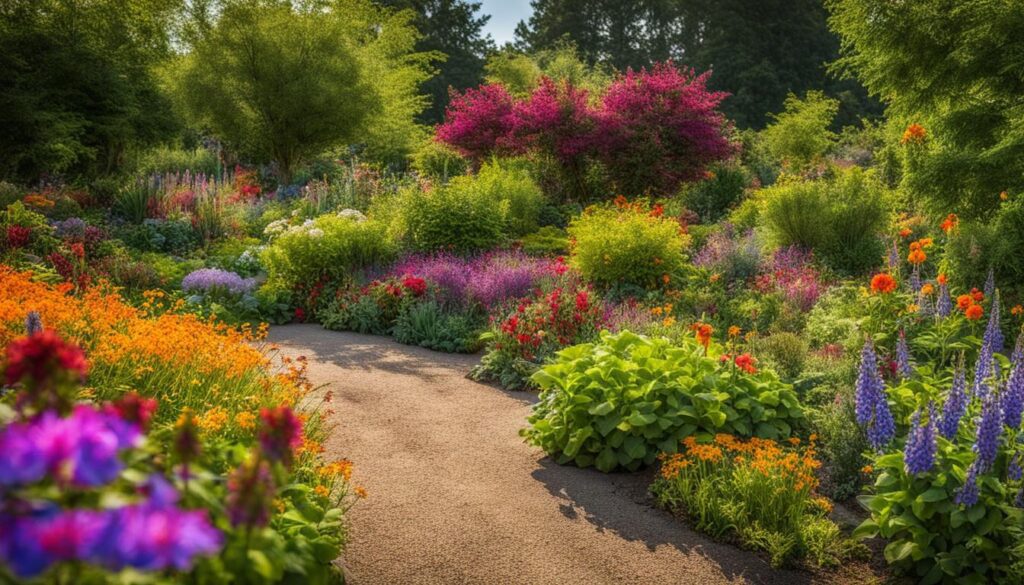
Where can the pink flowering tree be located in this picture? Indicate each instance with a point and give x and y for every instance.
(478, 122)
(653, 130)
(662, 128)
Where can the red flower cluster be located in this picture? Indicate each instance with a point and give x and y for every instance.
(18, 236)
(549, 322)
(281, 433)
(883, 283)
(970, 304)
(414, 284)
(40, 357)
(133, 408)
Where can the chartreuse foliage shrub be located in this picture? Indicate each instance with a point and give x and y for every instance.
(627, 244)
(458, 218)
(507, 181)
(330, 246)
(761, 491)
(840, 218)
(618, 402)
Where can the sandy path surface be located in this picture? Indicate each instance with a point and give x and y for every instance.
(457, 497)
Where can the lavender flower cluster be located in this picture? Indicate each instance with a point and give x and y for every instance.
(872, 406)
(206, 280)
(489, 279)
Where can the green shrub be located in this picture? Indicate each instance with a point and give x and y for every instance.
(712, 198)
(842, 446)
(800, 136)
(169, 236)
(622, 400)
(626, 245)
(835, 319)
(330, 246)
(995, 243)
(166, 159)
(427, 325)
(784, 352)
(547, 241)
(510, 181)
(840, 218)
(438, 160)
(457, 218)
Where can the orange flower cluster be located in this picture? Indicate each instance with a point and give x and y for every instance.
(766, 457)
(703, 332)
(883, 283)
(917, 255)
(949, 224)
(915, 133)
(38, 200)
(1017, 310)
(970, 304)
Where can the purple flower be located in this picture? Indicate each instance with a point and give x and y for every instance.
(207, 280)
(983, 368)
(1013, 469)
(872, 407)
(956, 404)
(914, 280)
(82, 449)
(990, 283)
(1019, 500)
(968, 494)
(30, 543)
(157, 537)
(903, 366)
(33, 323)
(990, 427)
(1013, 399)
(919, 455)
(993, 334)
(944, 304)
(70, 228)
(894, 257)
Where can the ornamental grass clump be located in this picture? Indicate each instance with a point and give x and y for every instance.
(759, 491)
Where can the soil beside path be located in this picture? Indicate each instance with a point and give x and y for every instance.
(455, 496)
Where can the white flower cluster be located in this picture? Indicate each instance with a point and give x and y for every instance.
(276, 228)
(353, 214)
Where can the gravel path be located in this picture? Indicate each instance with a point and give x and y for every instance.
(455, 496)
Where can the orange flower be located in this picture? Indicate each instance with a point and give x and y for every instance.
(321, 491)
(361, 492)
(1017, 310)
(1003, 196)
(917, 257)
(927, 289)
(950, 223)
(621, 202)
(745, 362)
(941, 279)
(974, 312)
(926, 242)
(666, 278)
(883, 283)
(964, 301)
(914, 133)
(867, 469)
(905, 232)
(703, 332)
(734, 331)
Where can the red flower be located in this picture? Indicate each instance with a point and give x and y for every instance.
(133, 408)
(414, 284)
(883, 283)
(974, 312)
(746, 363)
(950, 223)
(281, 434)
(300, 314)
(964, 301)
(977, 295)
(582, 300)
(18, 236)
(41, 356)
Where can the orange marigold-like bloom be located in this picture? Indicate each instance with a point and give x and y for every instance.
(917, 257)
(964, 301)
(927, 289)
(734, 331)
(1003, 196)
(941, 279)
(905, 232)
(1017, 310)
(883, 283)
(666, 278)
(950, 223)
(703, 332)
(926, 242)
(914, 133)
(974, 312)
(746, 362)
(977, 295)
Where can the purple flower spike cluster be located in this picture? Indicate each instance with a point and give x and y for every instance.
(968, 494)
(151, 536)
(1013, 399)
(903, 365)
(993, 334)
(990, 427)
(1013, 469)
(872, 408)
(207, 280)
(894, 256)
(990, 283)
(944, 304)
(919, 456)
(81, 450)
(982, 369)
(956, 405)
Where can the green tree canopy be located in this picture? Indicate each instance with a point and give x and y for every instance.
(77, 89)
(956, 67)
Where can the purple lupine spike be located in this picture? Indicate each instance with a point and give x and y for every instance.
(990, 283)
(33, 323)
(1013, 400)
(872, 408)
(903, 366)
(1019, 500)
(1013, 469)
(968, 494)
(1018, 350)
(993, 334)
(990, 427)
(944, 304)
(915, 279)
(919, 455)
(956, 404)
(924, 305)
(982, 369)
(894, 257)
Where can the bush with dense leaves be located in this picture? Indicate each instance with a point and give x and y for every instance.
(628, 244)
(458, 218)
(618, 402)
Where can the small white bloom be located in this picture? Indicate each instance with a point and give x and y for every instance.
(316, 233)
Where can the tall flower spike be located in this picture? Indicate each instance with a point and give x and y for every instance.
(1013, 400)
(872, 408)
(903, 365)
(915, 279)
(982, 369)
(990, 427)
(1013, 469)
(924, 305)
(894, 257)
(993, 334)
(956, 403)
(33, 323)
(944, 304)
(968, 494)
(990, 283)
(919, 455)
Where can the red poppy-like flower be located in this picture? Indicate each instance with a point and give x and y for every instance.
(42, 356)
(883, 283)
(414, 284)
(977, 295)
(950, 223)
(703, 332)
(746, 362)
(974, 312)
(964, 301)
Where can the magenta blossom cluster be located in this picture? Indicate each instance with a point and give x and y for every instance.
(653, 129)
(487, 280)
(153, 535)
(791, 271)
(82, 450)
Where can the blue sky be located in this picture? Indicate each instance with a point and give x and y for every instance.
(505, 14)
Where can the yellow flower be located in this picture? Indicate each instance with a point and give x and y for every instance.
(321, 491)
(734, 331)
(213, 420)
(245, 420)
(668, 321)
(361, 492)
